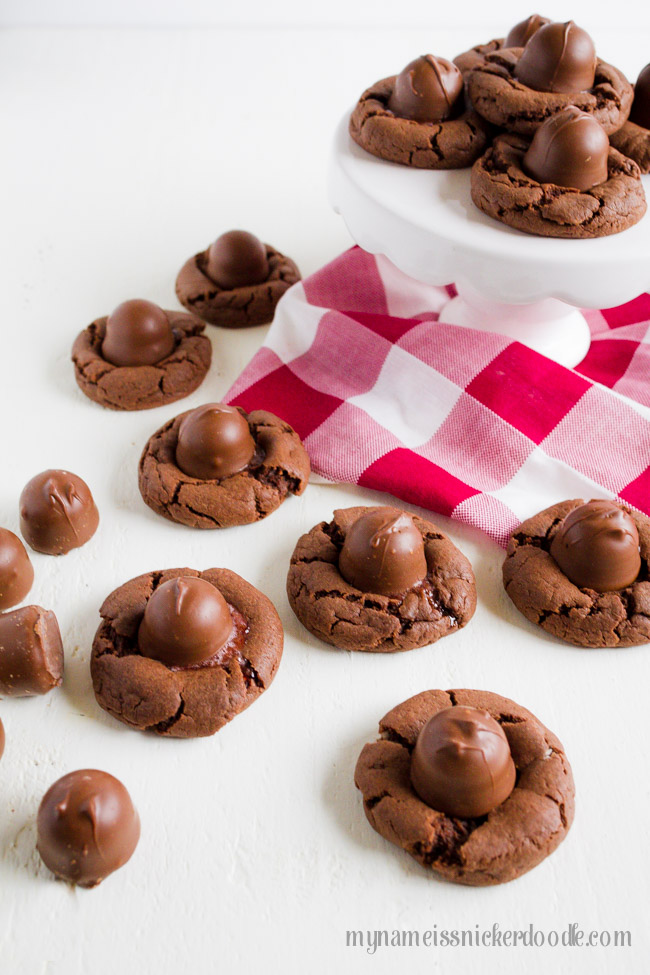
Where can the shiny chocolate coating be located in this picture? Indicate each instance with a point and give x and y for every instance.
(138, 333)
(429, 89)
(597, 547)
(214, 441)
(186, 621)
(640, 113)
(16, 570)
(522, 32)
(57, 512)
(87, 827)
(383, 553)
(558, 58)
(237, 259)
(31, 652)
(2, 739)
(461, 764)
(569, 149)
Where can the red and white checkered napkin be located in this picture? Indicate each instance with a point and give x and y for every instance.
(464, 422)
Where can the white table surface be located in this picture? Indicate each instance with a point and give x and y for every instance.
(123, 153)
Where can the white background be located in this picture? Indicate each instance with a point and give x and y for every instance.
(123, 153)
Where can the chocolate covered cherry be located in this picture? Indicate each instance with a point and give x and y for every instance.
(597, 547)
(185, 622)
(237, 259)
(16, 571)
(427, 90)
(383, 553)
(214, 441)
(461, 764)
(569, 149)
(522, 32)
(57, 512)
(138, 333)
(558, 58)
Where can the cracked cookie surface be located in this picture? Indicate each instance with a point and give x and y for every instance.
(280, 466)
(634, 141)
(544, 595)
(189, 702)
(452, 144)
(492, 849)
(496, 94)
(143, 387)
(474, 56)
(235, 307)
(502, 189)
(339, 614)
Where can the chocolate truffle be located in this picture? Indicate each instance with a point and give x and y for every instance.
(428, 90)
(597, 547)
(522, 32)
(383, 552)
(138, 333)
(2, 739)
(214, 441)
(640, 113)
(185, 622)
(461, 764)
(31, 652)
(237, 259)
(57, 512)
(558, 58)
(16, 571)
(570, 149)
(87, 827)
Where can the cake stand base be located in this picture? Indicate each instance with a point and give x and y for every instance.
(552, 327)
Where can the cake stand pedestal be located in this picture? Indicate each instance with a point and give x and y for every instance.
(528, 288)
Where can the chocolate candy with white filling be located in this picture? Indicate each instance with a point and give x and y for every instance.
(522, 32)
(214, 441)
(57, 512)
(138, 333)
(186, 621)
(237, 259)
(558, 58)
(383, 552)
(87, 827)
(640, 113)
(569, 149)
(429, 89)
(597, 547)
(461, 764)
(16, 570)
(31, 652)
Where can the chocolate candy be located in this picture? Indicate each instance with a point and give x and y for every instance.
(138, 333)
(383, 552)
(429, 89)
(2, 739)
(87, 827)
(569, 149)
(461, 764)
(185, 622)
(522, 32)
(558, 58)
(214, 441)
(16, 571)
(31, 652)
(640, 113)
(237, 259)
(597, 547)
(57, 512)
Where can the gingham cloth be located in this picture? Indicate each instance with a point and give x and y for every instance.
(463, 422)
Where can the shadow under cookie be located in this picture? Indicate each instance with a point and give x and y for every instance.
(184, 702)
(492, 849)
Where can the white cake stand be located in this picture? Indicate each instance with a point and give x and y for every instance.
(529, 288)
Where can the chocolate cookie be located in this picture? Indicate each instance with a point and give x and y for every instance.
(503, 190)
(499, 97)
(582, 616)
(451, 144)
(633, 141)
(279, 467)
(236, 307)
(474, 57)
(347, 617)
(491, 849)
(141, 387)
(191, 701)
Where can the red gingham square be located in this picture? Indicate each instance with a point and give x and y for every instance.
(289, 398)
(412, 477)
(607, 361)
(351, 281)
(637, 310)
(637, 492)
